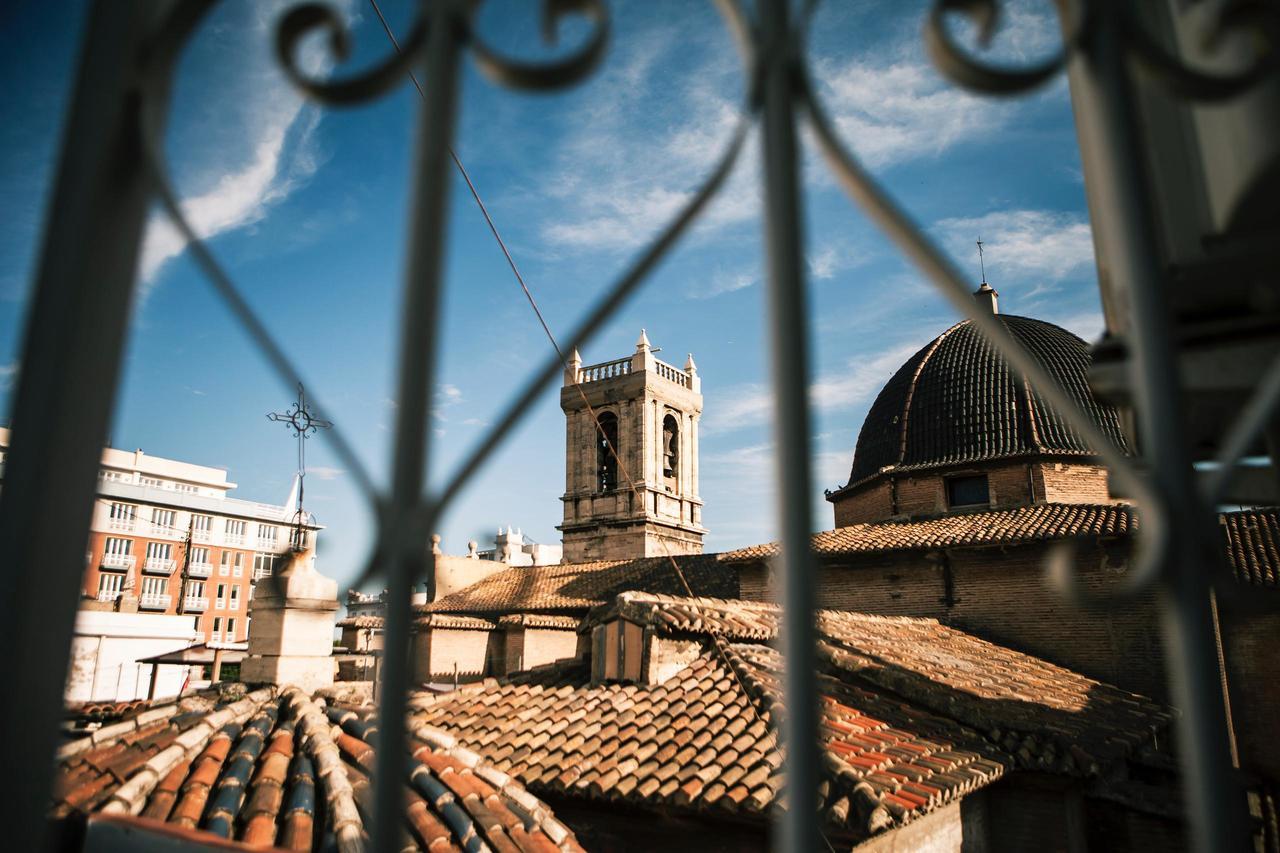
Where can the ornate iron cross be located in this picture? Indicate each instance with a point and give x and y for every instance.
(304, 424)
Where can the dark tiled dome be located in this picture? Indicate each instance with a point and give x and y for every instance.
(957, 401)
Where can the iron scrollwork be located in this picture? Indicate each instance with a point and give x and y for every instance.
(760, 49)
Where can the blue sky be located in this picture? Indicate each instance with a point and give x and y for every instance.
(306, 206)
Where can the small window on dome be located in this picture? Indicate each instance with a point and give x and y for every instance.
(968, 491)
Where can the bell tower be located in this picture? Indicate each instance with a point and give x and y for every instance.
(647, 412)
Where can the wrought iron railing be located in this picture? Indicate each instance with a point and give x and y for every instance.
(113, 169)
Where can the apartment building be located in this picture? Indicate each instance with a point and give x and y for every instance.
(167, 532)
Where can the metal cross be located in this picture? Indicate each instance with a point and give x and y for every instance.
(304, 424)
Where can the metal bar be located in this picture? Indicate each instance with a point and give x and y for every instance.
(74, 340)
(404, 533)
(1111, 143)
(788, 328)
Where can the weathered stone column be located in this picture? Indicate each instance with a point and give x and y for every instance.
(291, 635)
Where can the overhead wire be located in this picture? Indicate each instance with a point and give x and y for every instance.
(718, 642)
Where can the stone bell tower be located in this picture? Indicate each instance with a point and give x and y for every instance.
(648, 412)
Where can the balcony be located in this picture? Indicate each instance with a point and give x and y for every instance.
(194, 604)
(165, 530)
(268, 545)
(108, 594)
(118, 561)
(153, 601)
(200, 535)
(200, 570)
(233, 539)
(127, 524)
(158, 566)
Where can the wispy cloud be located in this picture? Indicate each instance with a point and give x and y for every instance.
(751, 404)
(1037, 247)
(723, 281)
(447, 396)
(324, 472)
(8, 375)
(892, 106)
(644, 143)
(275, 156)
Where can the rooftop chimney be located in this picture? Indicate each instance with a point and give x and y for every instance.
(988, 298)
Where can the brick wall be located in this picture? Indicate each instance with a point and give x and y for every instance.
(437, 650)
(1000, 594)
(1011, 484)
(1251, 642)
(172, 584)
(530, 647)
(1069, 482)
(1024, 816)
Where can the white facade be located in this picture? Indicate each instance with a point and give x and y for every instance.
(512, 548)
(107, 647)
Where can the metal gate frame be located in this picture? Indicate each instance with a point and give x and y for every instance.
(112, 168)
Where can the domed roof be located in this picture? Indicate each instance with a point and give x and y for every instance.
(957, 401)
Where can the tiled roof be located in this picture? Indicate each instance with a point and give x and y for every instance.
(539, 620)
(452, 620)
(914, 715)
(264, 769)
(1253, 545)
(997, 527)
(578, 586)
(957, 401)
(372, 622)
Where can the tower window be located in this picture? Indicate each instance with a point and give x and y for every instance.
(606, 450)
(670, 446)
(970, 490)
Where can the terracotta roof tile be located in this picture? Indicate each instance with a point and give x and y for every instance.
(577, 586)
(957, 401)
(998, 527)
(1253, 545)
(251, 771)
(914, 715)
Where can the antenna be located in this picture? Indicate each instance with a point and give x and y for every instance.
(982, 263)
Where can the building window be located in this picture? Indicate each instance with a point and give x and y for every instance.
(606, 452)
(185, 487)
(670, 447)
(264, 565)
(164, 520)
(216, 636)
(968, 491)
(123, 516)
(222, 596)
(235, 532)
(110, 587)
(266, 536)
(200, 556)
(231, 630)
(159, 551)
(235, 598)
(116, 553)
(201, 527)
